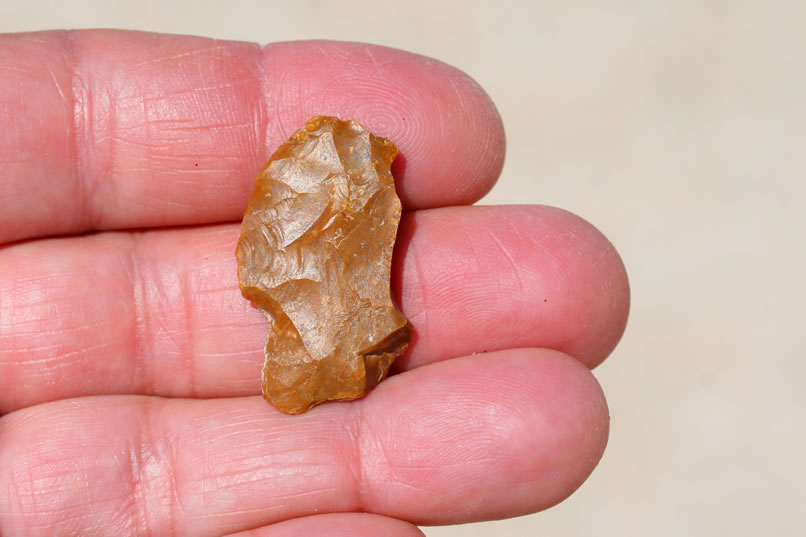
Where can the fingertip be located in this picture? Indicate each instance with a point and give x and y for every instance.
(588, 263)
(555, 415)
(493, 278)
(449, 132)
(571, 401)
(516, 432)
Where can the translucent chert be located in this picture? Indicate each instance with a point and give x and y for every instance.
(315, 255)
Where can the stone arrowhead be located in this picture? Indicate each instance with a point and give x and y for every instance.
(315, 255)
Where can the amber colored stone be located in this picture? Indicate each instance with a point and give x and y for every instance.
(315, 255)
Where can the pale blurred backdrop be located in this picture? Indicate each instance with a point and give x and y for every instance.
(675, 126)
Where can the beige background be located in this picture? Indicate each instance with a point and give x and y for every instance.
(677, 127)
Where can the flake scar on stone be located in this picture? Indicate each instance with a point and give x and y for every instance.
(315, 255)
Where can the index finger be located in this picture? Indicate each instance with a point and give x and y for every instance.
(111, 129)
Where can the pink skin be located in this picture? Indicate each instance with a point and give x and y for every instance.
(493, 411)
(337, 525)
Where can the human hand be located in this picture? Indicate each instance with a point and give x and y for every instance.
(130, 363)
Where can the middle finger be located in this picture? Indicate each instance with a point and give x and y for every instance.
(160, 312)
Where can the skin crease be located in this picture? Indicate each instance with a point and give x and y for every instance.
(337, 525)
(493, 412)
